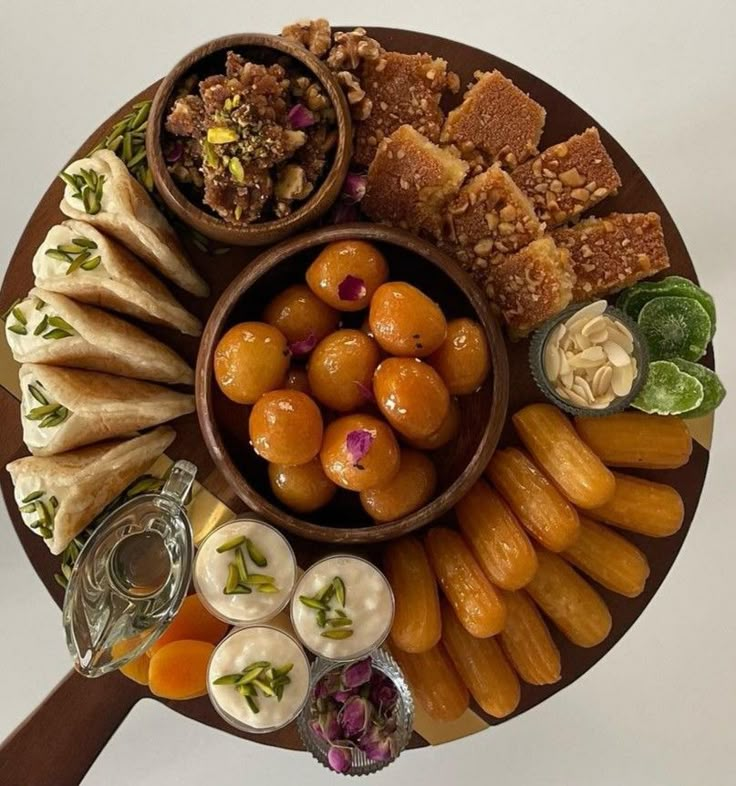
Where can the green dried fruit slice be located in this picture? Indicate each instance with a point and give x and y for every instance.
(668, 391)
(713, 390)
(632, 300)
(675, 327)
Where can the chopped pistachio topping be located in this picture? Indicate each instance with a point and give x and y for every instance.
(258, 678)
(321, 602)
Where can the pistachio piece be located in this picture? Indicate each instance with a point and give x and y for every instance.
(258, 557)
(33, 496)
(251, 673)
(56, 334)
(326, 593)
(321, 618)
(282, 671)
(339, 586)
(259, 578)
(19, 315)
(84, 242)
(19, 329)
(41, 326)
(339, 622)
(236, 170)
(221, 135)
(233, 543)
(253, 704)
(339, 633)
(313, 603)
(232, 579)
(268, 589)
(227, 679)
(240, 565)
(264, 687)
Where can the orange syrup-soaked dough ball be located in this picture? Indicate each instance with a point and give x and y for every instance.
(302, 488)
(341, 370)
(285, 427)
(409, 489)
(250, 359)
(405, 322)
(302, 317)
(462, 359)
(347, 273)
(359, 452)
(412, 396)
(449, 429)
(297, 379)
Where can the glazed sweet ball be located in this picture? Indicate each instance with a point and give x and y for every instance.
(411, 396)
(251, 359)
(302, 317)
(303, 487)
(409, 489)
(285, 427)
(405, 322)
(449, 429)
(462, 359)
(347, 273)
(341, 370)
(359, 452)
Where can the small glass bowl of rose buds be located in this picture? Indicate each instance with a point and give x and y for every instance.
(359, 716)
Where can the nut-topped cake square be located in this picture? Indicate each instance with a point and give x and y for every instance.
(490, 217)
(495, 122)
(411, 181)
(568, 178)
(402, 89)
(612, 253)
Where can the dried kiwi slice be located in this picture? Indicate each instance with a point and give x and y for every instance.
(675, 327)
(668, 391)
(632, 300)
(713, 390)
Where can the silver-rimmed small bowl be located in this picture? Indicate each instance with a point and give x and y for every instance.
(257, 648)
(382, 661)
(536, 362)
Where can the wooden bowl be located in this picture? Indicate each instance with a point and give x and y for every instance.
(210, 59)
(224, 424)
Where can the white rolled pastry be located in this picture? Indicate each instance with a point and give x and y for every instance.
(52, 329)
(101, 190)
(58, 496)
(63, 408)
(109, 276)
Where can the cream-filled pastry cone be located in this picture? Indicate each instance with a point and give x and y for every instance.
(52, 329)
(58, 496)
(77, 260)
(63, 408)
(101, 190)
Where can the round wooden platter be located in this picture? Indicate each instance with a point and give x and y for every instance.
(76, 720)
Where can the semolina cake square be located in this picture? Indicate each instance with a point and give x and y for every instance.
(411, 181)
(402, 89)
(488, 218)
(612, 253)
(532, 285)
(568, 178)
(495, 122)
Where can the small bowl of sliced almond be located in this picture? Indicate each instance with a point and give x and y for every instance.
(590, 359)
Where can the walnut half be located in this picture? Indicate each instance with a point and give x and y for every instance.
(313, 34)
(351, 49)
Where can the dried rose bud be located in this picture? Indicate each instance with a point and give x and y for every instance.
(343, 695)
(360, 672)
(340, 757)
(358, 443)
(383, 692)
(377, 745)
(353, 189)
(351, 288)
(355, 716)
(300, 117)
(304, 346)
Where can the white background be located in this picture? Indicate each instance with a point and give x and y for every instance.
(660, 76)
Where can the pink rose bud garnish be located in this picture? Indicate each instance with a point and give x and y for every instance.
(355, 716)
(300, 117)
(353, 189)
(340, 757)
(377, 745)
(351, 288)
(303, 347)
(383, 692)
(174, 152)
(358, 673)
(365, 391)
(358, 443)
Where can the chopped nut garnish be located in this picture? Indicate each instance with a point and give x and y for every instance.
(568, 178)
(352, 49)
(612, 253)
(313, 34)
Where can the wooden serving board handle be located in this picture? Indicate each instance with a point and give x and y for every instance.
(58, 742)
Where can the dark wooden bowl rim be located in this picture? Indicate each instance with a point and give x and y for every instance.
(488, 437)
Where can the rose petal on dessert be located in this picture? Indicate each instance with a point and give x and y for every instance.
(351, 288)
(174, 152)
(304, 346)
(358, 443)
(300, 117)
(353, 189)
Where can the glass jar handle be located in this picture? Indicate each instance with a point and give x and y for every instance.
(179, 484)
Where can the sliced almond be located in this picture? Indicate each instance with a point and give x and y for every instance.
(564, 365)
(567, 379)
(577, 399)
(599, 337)
(583, 388)
(585, 314)
(593, 356)
(622, 379)
(602, 380)
(551, 361)
(623, 329)
(616, 354)
(594, 325)
(562, 393)
(620, 338)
